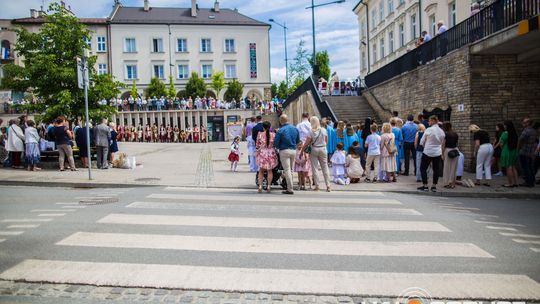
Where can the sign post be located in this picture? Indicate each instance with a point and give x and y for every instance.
(84, 81)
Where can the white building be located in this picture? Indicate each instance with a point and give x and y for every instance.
(148, 42)
(395, 26)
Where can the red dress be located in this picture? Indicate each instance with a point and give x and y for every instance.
(266, 156)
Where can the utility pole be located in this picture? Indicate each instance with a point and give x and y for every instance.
(84, 81)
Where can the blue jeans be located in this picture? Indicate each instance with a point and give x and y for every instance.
(527, 165)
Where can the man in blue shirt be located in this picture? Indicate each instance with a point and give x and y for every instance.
(409, 134)
(287, 138)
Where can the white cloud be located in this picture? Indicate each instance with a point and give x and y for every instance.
(277, 74)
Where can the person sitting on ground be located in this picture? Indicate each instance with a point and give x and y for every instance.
(338, 166)
(353, 165)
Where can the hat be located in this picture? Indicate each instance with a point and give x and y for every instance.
(474, 128)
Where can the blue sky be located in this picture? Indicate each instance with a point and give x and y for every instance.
(336, 25)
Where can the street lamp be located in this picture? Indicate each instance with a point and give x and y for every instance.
(312, 7)
(285, 28)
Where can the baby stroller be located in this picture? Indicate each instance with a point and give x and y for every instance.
(277, 177)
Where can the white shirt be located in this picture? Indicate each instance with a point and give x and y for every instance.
(432, 141)
(31, 135)
(373, 141)
(442, 29)
(304, 128)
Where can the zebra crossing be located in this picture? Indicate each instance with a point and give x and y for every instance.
(223, 227)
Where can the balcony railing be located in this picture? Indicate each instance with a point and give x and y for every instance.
(491, 19)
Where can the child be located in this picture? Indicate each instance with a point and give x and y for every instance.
(302, 166)
(354, 168)
(373, 146)
(338, 166)
(234, 156)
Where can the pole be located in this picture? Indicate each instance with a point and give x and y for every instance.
(419, 18)
(314, 58)
(286, 59)
(367, 28)
(86, 82)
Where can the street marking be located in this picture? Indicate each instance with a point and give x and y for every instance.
(93, 197)
(276, 223)
(520, 235)
(275, 198)
(22, 226)
(279, 246)
(76, 207)
(25, 220)
(535, 249)
(497, 223)
(52, 214)
(484, 216)
(284, 281)
(53, 210)
(501, 228)
(462, 208)
(6, 233)
(67, 203)
(272, 208)
(526, 241)
(341, 193)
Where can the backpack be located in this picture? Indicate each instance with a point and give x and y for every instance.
(391, 146)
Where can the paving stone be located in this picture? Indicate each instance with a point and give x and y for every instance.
(357, 300)
(145, 292)
(112, 296)
(250, 296)
(263, 296)
(277, 297)
(85, 289)
(130, 291)
(344, 299)
(72, 288)
(170, 299)
(234, 296)
(176, 292)
(161, 292)
(116, 291)
(328, 299)
(143, 298)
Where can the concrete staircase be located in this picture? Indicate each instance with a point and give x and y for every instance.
(351, 108)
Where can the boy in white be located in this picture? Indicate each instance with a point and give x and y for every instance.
(373, 147)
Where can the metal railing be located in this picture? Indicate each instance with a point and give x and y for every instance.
(491, 19)
(309, 85)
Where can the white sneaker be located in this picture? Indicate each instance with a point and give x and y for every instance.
(347, 181)
(339, 181)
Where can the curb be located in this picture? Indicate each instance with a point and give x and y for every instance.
(92, 185)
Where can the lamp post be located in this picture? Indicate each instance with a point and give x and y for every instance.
(312, 7)
(367, 38)
(285, 28)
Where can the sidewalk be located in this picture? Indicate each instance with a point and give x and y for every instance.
(206, 165)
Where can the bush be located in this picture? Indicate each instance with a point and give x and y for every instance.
(195, 86)
(234, 90)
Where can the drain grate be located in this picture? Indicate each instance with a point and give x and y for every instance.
(99, 201)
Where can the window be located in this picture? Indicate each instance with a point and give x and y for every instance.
(452, 10)
(102, 69)
(432, 28)
(157, 45)
(206, 45)
(401, 2)
(363, 61)
(373, 19)
(413, 26)
(391, 42)
(158, 71)
(381, 11)
(382, 47)
(401, 35)
(363, 29)
(390, 6)
(131, 71)
(130, 45)
(183, 71)
(374, 53)
(101, 45)
(206, 70)
(230, 46)
(230, 70)
(88, 42)
(181, 45)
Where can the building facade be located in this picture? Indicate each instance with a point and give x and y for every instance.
(390, 28)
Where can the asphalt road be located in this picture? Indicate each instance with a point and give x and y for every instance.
(366, 244)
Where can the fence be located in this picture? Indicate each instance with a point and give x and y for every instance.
(494, 17)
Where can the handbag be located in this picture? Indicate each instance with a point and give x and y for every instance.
(391, 146)
(453, 153)
(309, 148)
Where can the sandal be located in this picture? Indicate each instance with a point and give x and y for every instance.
(328, 189)
(260, 190)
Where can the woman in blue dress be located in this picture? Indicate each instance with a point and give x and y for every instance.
(113, 147)
(351, 137)
(332, 139)
(398, 135)
(340, 134)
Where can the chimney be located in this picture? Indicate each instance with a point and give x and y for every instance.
(146, 6)
(33, 13)
(216, 6)
(193, 8)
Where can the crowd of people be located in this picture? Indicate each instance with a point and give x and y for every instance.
(161, 134)
(373, 153)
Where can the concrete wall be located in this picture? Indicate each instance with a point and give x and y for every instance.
(304, 104)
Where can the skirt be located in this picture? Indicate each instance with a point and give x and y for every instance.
(233, 157)
(388, 164)
(32, 153)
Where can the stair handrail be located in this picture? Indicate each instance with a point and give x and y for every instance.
(322, 105)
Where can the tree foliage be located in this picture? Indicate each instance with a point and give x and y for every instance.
(195, 86)
(218, 82)
(133, 92)
(50, 69)
(282, 91)
(234, 90)
(297, 82)
(156, 88)
(323, 61)
(300, 68)
(274, 90)
(171, 92)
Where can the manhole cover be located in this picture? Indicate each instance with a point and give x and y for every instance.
(148, 179)
(99, 201)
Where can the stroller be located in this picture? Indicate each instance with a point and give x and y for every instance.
(277, 177)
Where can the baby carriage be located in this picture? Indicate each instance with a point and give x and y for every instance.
(277, 177)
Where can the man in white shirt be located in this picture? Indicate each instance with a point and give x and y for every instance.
(432, 142)
(304, 128)
(441, 27)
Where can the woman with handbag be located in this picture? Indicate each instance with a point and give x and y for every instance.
(450, 156)
(32, 146)
(265, 155)
(388, 153)
(316, 147)
(15, 143)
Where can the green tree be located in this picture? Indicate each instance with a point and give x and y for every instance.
(274, 90)
(218, 82)
(156, 88)
(50, 71)
(234, 90)
(195, 86)
(171, 92)
(323, 61)
(282, 91)
(300, 68)
(297, 82)
(134, 93)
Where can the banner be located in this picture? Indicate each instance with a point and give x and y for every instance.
(253, 60)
